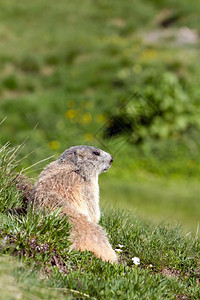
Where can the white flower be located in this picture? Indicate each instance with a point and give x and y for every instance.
(136, 260)
(118, 250)
(120, 246)
(151, 266)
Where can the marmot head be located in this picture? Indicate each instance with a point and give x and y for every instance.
(87, 160)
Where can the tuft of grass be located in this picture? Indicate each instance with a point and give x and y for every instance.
(38, 235)
(9, 196)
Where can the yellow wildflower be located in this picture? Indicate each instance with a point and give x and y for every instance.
(54, 145)
(70, 114)
(86, 118)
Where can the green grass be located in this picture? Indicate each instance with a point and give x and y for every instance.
(169, 259)
(84, 60)
(66, 66)
(168, 269)
(17, 282)
(155, 200)
(65, 69)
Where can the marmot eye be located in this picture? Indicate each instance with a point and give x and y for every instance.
(96, 153)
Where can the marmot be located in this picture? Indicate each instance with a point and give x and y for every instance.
(71, 182)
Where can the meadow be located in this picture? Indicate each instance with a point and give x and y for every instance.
(65, 73)
(122, 76)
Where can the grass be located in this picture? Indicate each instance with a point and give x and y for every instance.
(147, 198)
(71, 71)
(65, 69)
(169, 260)
(63, 77)
(169, 265)
(19, 283)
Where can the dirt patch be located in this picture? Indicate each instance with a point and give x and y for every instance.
(170, 272)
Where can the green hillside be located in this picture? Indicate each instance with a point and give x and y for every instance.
(123, 76)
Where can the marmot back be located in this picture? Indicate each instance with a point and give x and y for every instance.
(71, 182)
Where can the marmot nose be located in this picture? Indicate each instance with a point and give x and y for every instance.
(111, 159)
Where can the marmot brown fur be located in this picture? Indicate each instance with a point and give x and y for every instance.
(71, 182)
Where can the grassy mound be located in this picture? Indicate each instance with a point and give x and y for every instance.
(154, 262)
(122, 76)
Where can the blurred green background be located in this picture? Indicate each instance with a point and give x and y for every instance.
(121, 75)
